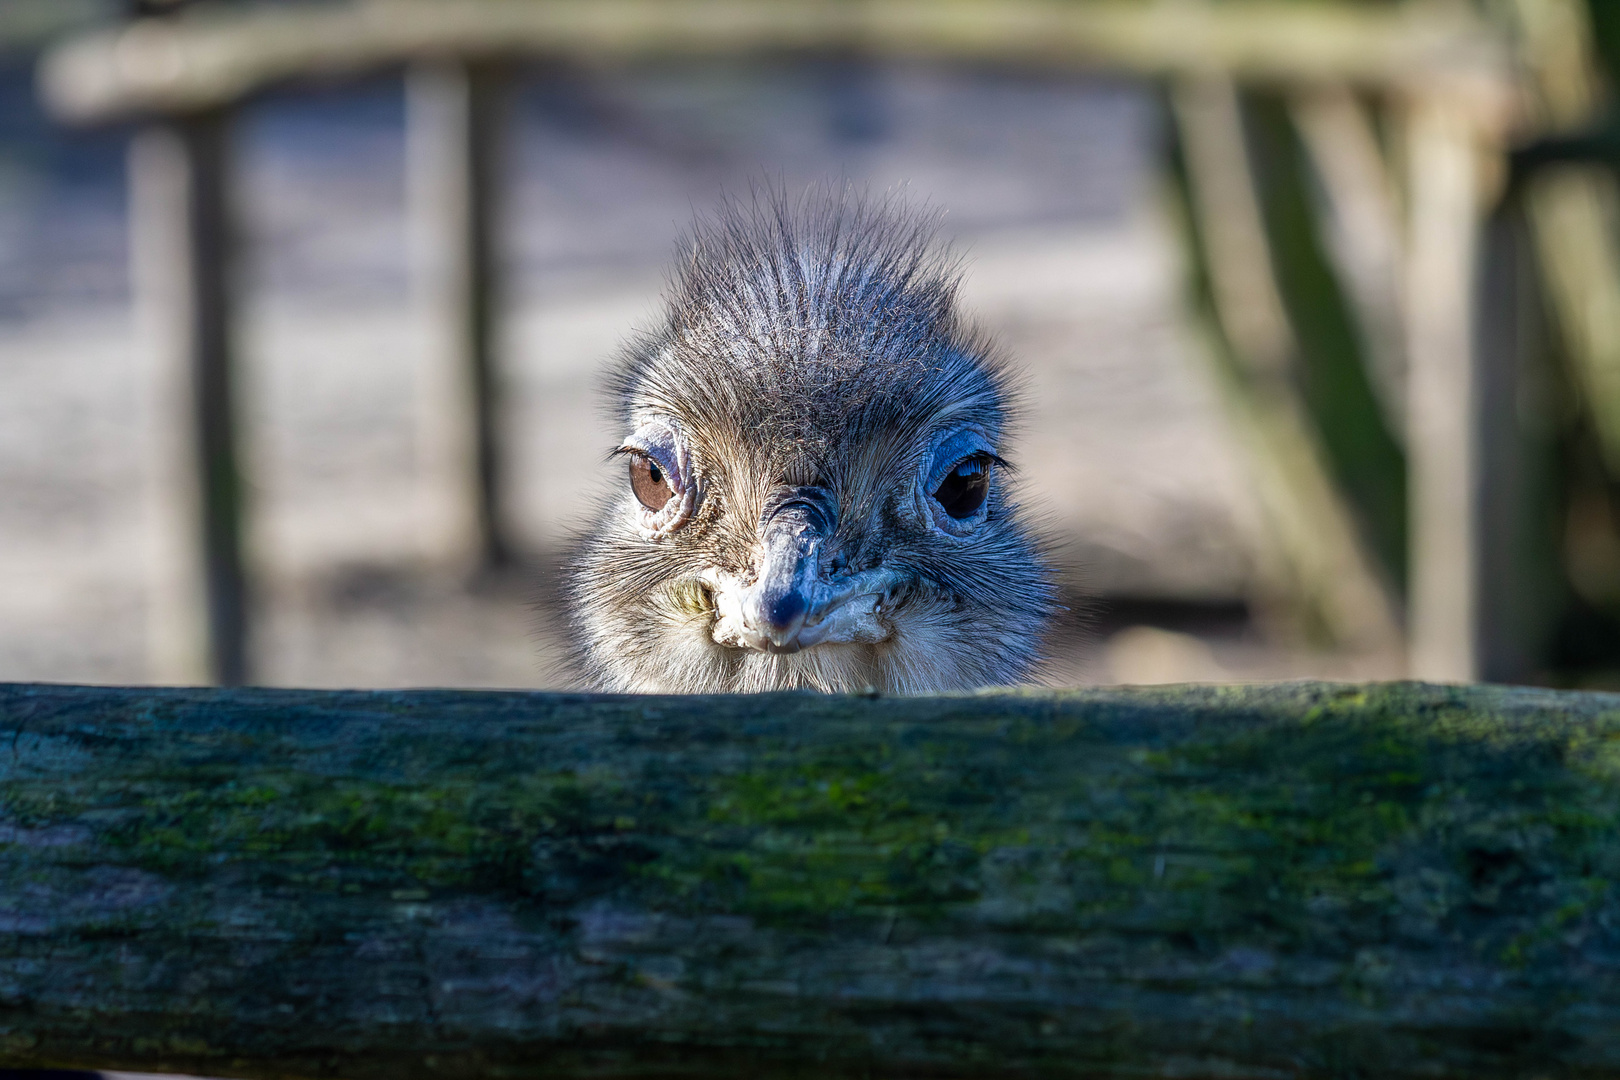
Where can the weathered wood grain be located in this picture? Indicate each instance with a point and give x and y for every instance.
(1301, 880)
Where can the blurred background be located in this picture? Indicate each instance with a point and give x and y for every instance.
(304, 308)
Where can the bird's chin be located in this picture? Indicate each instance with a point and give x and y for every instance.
(785, 649)
(788, 648)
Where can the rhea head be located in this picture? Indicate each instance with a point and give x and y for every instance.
(815, 490)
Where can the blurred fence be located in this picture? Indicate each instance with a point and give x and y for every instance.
(1366, 240)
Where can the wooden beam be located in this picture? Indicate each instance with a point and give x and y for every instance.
(457, 115)
(182, 239)
(1443, 435)
(1520, 542)
(216, 56)
(1298, 880)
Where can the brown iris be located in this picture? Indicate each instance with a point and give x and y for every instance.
(649, 482)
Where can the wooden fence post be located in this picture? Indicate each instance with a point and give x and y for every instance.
(1521, 583)
(1442, 440)
(181, 236)
(456, 116)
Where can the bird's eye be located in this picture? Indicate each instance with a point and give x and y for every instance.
(965, 487)
(649, 483)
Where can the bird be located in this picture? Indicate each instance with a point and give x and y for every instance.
(815, 492)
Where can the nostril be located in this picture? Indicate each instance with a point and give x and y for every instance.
(786, 610)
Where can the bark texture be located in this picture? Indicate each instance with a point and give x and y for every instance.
(1298, 880)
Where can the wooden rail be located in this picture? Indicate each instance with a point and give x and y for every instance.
(213, 59)
(1304, 880)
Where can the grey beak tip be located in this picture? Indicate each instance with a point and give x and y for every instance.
(786, 611)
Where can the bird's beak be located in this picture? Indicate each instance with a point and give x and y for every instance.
(790, 604)
(783, 593)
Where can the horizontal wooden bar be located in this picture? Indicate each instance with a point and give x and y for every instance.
(1297, 880)
(218, 55)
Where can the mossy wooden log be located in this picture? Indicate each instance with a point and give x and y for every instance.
(217, 55)
(1298, 880)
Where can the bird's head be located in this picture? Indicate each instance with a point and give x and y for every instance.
(814, 491)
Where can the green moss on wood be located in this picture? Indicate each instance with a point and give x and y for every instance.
(1296, 880)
